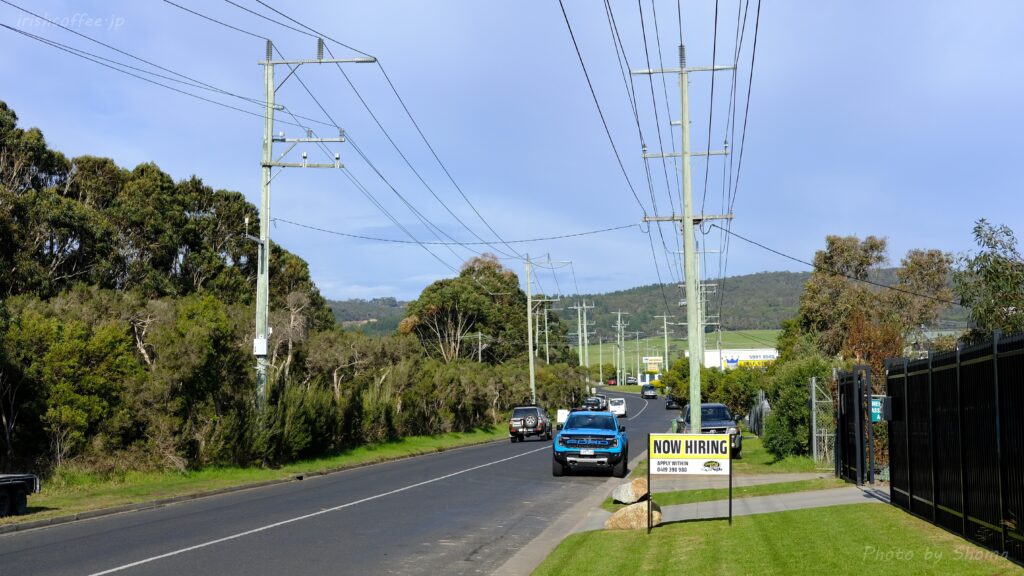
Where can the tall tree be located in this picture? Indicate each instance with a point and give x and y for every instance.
(990, 283)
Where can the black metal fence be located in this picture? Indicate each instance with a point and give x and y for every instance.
(853, 434)
(956, 441)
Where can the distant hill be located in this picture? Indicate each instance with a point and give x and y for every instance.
(752, 302)
(375, 316)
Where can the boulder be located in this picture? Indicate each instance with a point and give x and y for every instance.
(631, 492)
(633, 517)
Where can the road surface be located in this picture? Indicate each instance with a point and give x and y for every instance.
(464, 511)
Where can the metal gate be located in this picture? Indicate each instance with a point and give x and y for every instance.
(823, 424)
(854, 456)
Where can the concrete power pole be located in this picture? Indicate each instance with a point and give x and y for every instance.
(665, 333)
(600, 359)
(529, 329)
(638, 333)
(620, 354)
(267, 163)
(693, 320)
(586, 335)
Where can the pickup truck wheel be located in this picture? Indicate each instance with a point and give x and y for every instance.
(620, 469)
(556, 468)
(19, 502)
(5, 507)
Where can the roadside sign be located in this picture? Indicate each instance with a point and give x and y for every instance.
(708, 454)
(880, 411)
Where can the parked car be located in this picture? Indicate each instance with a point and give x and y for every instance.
(648, 391)
(604, 400)
(529, 421)
(672, 403)
(591, 440)
(714, 419)
(612, 382)
(631, 380)
(617, 406)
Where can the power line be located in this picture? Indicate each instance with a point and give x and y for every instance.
(397, 241)
(711, 110)
(315, 33)
(99, 60)
(600, 112)
(621, 58)
(412, 119)
(732, 191)
(837, 272)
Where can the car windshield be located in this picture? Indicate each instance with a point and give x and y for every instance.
(598, 421)
(708, 413)
(523, 412)
(616, 401)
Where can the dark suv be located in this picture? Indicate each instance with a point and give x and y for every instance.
(714, 419)
(529, 421)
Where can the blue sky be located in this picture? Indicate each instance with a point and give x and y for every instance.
(898, 119)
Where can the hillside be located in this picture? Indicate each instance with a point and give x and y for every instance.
(752, 302)
(375, 316)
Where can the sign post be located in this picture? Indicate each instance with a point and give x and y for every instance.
(699, 454)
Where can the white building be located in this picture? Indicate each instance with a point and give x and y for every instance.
(739, 357)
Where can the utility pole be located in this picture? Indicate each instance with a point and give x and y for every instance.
(586, 335)
(665, 332)
(579, 331)
(600, 359)
(638, 333)
(529, 328)
(620, 353)
(693, 326)
(267, 163)
(547, 350)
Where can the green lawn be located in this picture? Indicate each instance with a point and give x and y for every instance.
(655, 346)
(756, 460)
(855, 539)
(711, 494)
(72, 492)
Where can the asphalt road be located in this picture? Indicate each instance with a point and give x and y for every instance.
(464, 511)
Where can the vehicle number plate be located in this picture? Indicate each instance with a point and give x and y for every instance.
(587, 452)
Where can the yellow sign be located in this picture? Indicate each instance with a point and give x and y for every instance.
(690, 453)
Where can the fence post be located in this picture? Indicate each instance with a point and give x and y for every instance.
(960, 440)
(931, 435)
(906, 428)
(858, 423)
(999, 437)
(868, 392)
(814, 418)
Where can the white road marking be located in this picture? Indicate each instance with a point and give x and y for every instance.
(308, 516)
(642, 409)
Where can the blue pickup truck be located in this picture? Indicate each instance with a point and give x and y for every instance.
(591, 439)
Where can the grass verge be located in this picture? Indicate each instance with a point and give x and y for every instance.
(711, 494)
(72, 492)
(756, 460)
(854, 539)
